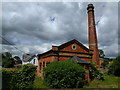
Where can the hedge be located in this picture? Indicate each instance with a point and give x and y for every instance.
(114, 67)
(65, 74)
(21, 79)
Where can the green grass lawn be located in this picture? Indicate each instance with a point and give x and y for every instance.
(39, 82)
(109, 82)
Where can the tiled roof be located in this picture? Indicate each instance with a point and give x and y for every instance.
(65, 45)
(78, 60)
(29, 58)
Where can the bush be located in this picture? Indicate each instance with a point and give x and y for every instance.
(114, 68)
(95, 73)
(104, 64)
(21, 79)
(66, 74)
(6, 78)
(7, 60)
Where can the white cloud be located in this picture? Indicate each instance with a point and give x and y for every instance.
(27, 25)
(28, 49)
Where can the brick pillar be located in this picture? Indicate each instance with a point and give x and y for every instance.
(42, 68)
(92, 36)
(38, 68)
(45, 64)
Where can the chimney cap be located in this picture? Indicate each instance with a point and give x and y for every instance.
(90, 6)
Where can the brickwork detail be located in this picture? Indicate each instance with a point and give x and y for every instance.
(92, 36)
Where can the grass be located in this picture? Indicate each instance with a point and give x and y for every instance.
(109, 82)
(39, 82)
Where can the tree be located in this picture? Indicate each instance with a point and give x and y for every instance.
(65, 74)
(7, 60)
(101, 53)
(114, 67)
(17, 60)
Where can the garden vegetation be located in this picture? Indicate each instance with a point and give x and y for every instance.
(65, 74)
(114, 68)
(19, 79)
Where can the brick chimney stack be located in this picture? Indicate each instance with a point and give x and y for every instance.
(92, 36)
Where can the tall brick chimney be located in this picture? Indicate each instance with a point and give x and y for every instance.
(92, 36)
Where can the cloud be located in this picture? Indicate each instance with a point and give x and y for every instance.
(27, 49)
(29, 24)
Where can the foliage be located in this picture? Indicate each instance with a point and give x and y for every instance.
(22, 78)
(6, 78)
(39, 82)
(17, 60)
(7, 60)
(65, 74)
(95, 73)
(114, 68)
(104, 64)
(101, 53)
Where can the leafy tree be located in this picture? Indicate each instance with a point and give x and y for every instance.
(66, 74)
(8, 55)
(101, 53)
(114, 67)
(7, 60)
(17, 60)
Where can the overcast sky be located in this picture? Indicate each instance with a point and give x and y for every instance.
(35, 27)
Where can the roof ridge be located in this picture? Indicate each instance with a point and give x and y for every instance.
(71, 41)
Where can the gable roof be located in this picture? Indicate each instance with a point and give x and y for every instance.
(65, 45)
(78, 60)
(71, 42)
(29, 58)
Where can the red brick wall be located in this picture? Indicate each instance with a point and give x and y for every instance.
(78, 49)
(92, 36)
(69, 48)
(63, 58)
(88, 60)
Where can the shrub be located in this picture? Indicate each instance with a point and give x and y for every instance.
(66, 74)
(104, 64)
(6, 78)
(95, 73)
(114, 68)
(21, 79)
(7, 60)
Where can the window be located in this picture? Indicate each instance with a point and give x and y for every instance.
(73, 47)
(43, 64)
(34, 61)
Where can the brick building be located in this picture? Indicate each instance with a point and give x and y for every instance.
(73, 48)
(64, 52)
